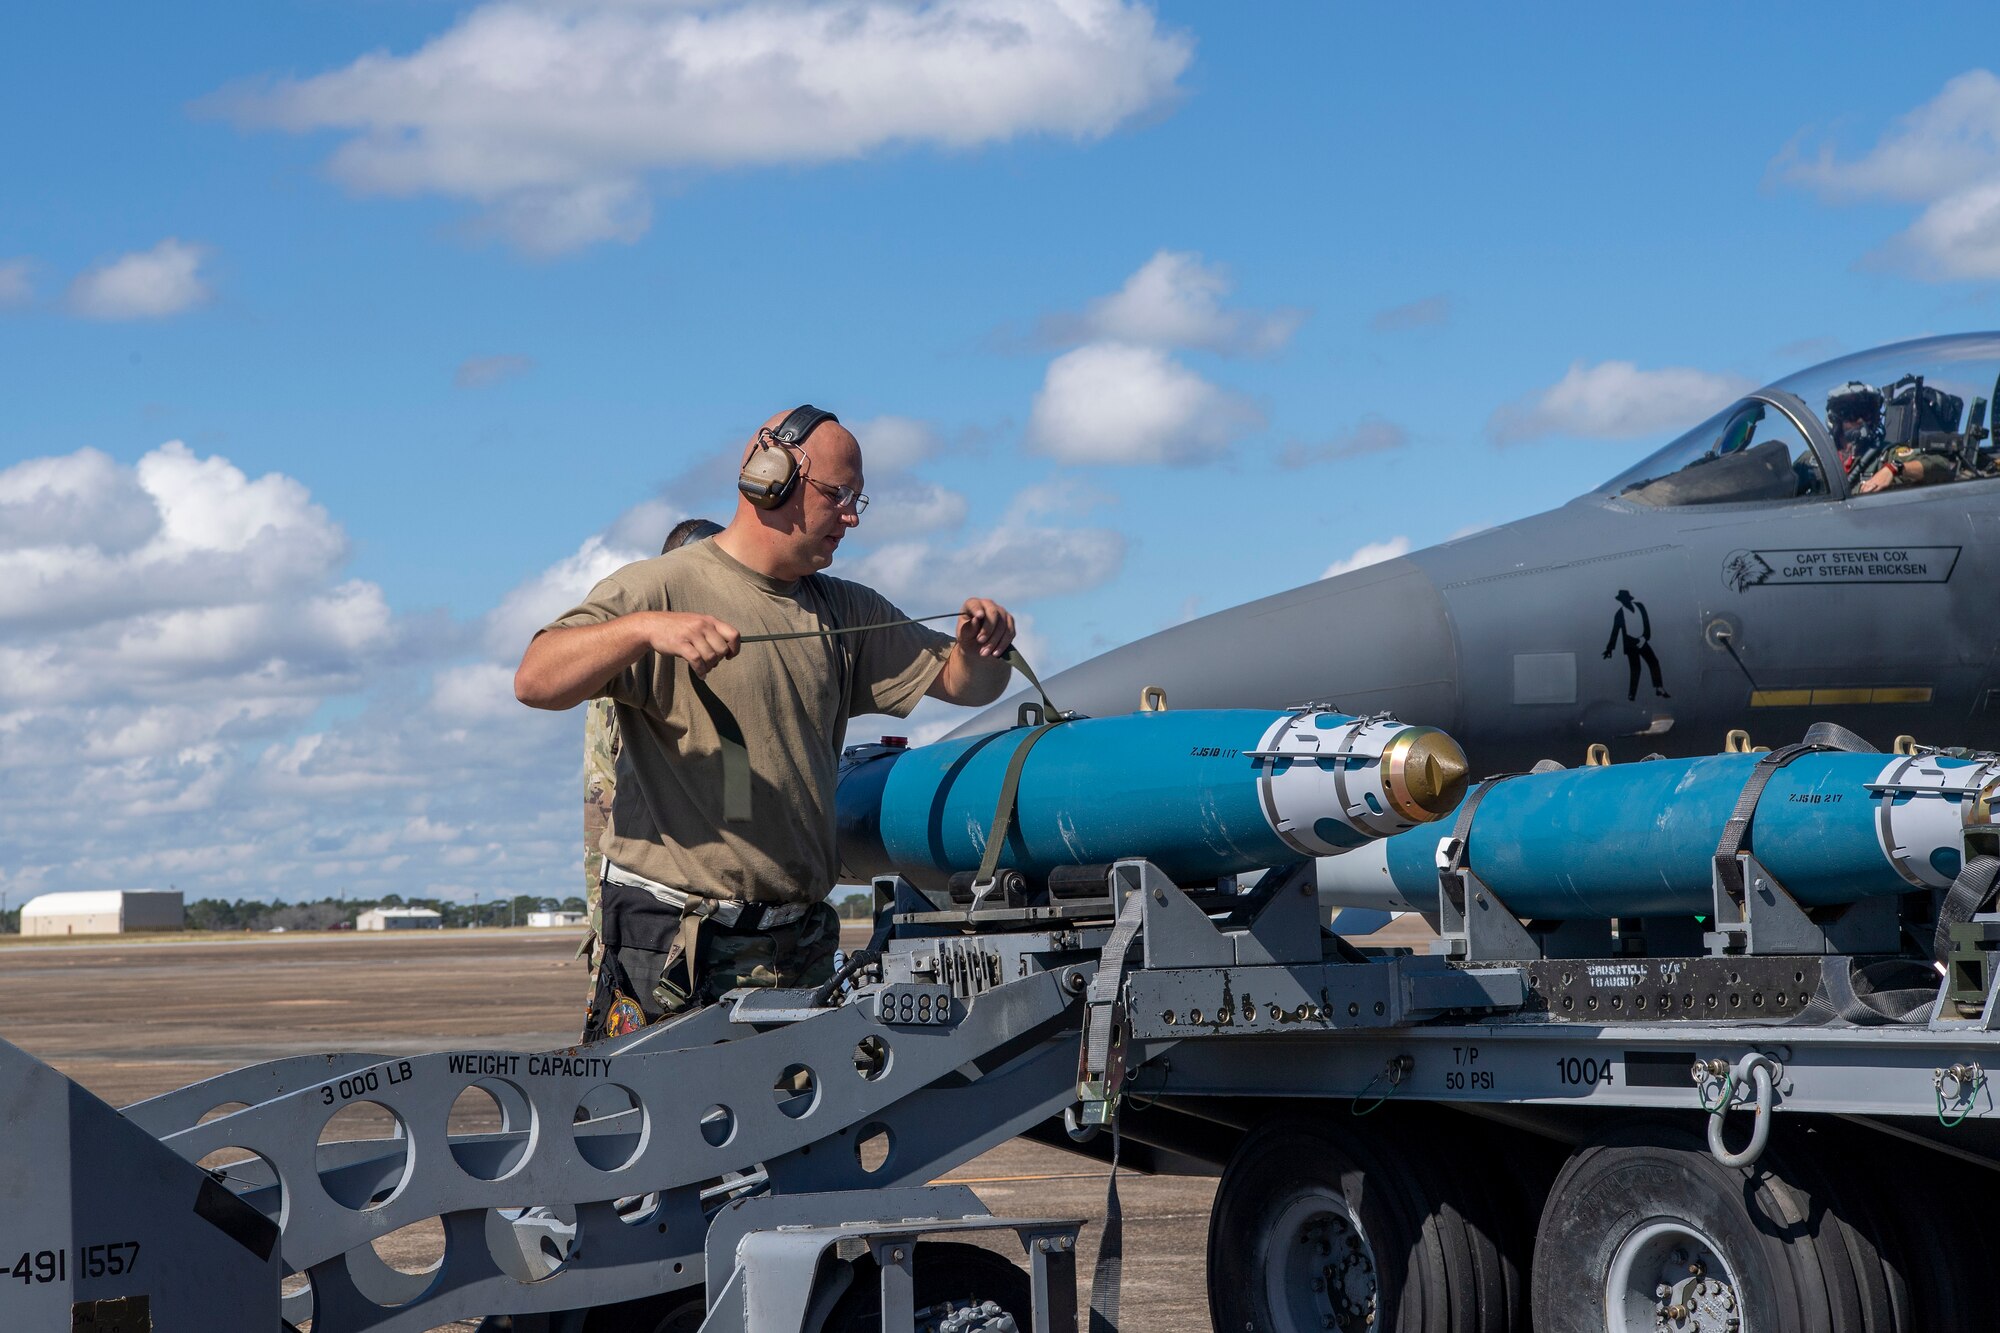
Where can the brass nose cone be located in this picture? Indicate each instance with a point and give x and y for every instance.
(1426, 774)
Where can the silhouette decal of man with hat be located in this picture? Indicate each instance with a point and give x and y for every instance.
(1637, 649)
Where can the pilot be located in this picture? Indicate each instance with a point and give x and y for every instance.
(1909, 465)
(1854, 419)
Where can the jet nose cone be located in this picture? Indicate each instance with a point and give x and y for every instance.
(1425, 773)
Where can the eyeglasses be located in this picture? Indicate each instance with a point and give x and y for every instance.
(842, 496)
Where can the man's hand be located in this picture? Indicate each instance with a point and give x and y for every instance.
(700, 641)
(977, 672)
(1881, 481)
(985, 628)
(563, 667)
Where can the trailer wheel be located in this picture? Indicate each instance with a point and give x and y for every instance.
(952, 1278)
(1834, 1166)
(1313, 1231)
(1517, 1168)
(1933, 1247)
(1645, 1232)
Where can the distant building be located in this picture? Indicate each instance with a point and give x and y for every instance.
(399, 918)
(103, 912)
(555, 918)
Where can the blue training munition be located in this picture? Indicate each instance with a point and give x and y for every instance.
(1640, 839)
(1201, 794)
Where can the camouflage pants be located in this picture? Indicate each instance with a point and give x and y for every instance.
(601, 745)
(644, 975)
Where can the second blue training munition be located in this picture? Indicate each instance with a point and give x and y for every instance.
(1640, 839)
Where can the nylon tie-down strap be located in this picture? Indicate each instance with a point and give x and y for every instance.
(1461, 836)
(1969, 892)
(1099, 1018)
(1892, 990)
(729, 732)
(1003, 811)
(1819, 736)
(1107, 1272)
(1102, 1016)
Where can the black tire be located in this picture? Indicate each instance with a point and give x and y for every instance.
(1934, 1249)
(1447, 1152)
(1819, 1157)
(1629, 1194)
(1517, 1168)
(950, 1275)
(1293, 1182)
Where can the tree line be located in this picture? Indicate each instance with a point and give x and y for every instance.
(340, 913)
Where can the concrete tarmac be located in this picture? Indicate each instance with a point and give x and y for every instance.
(133, 1017)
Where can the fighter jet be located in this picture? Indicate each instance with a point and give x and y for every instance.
(1823, 549)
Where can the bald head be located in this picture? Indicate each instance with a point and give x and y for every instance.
(799, 536)
(830, 447)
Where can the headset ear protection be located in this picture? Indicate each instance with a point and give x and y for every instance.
(772, 469)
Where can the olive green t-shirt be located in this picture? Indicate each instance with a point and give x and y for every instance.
(792, 700)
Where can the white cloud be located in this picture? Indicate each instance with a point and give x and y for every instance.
(170, 632)
(1009, 564)
(644, 527)
(225, 589)
(1058, 495)
(213, 538)
(81, 496)
(549, 221)
(178, 579)
(1614, 400)
(475, 693)
(1430, 312)
(1119, 403)
(1958, 236)
(551, 115)
(1943, 156)
(1373, 553)
(1175, 300)
(506, 629)
(907, 507)
(1928, 152)
(1372, 435)
(896, 444)
(479, 372)
(147, 284)
(17, 283)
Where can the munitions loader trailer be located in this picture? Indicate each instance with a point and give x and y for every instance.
(1546, 1129)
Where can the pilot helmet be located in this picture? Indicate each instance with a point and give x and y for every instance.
(1850, 401)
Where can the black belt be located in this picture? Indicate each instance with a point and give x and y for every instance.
(729, 917)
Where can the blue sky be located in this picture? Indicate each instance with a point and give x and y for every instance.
(1152, 310)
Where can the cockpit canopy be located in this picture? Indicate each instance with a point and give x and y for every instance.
(1821, 431)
